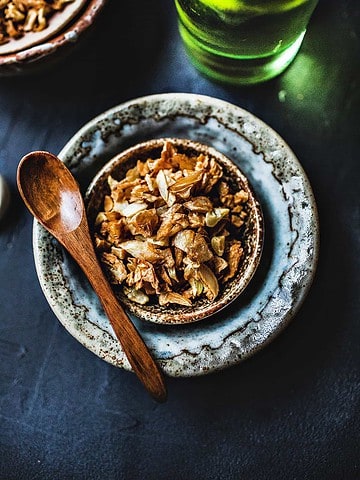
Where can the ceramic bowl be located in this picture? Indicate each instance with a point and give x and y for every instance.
(290, 249)
(252, 236)
(41, 49)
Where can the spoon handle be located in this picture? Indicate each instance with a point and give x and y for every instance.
(143, 364)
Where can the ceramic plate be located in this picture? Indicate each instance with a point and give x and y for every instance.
(54, 24)
(37, 51)
(290, 252)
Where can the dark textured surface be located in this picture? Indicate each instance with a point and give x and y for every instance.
(291, 411)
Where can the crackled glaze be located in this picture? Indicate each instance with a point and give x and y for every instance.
(291, 241)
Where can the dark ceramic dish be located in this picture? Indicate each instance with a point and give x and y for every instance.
(252, 231)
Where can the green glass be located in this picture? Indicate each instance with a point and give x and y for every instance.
(243, 41)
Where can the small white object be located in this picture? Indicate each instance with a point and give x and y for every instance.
(4, 196)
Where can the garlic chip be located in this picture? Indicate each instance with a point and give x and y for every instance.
(170, 230)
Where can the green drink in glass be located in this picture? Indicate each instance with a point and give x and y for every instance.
(243, 41)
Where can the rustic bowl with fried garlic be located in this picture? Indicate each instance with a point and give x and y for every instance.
(37, 35)
(177, 229)
(244, 144)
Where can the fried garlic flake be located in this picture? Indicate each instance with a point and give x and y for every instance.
(17, 17)
(170, 230)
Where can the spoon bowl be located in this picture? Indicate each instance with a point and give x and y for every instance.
(59, 208)
(52, 195)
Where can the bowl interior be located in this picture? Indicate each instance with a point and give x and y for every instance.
(40, 50)
(54, 24)
(252, 230)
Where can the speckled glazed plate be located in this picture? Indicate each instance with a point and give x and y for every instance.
(36, 51)
(291, 242)
(56, 22)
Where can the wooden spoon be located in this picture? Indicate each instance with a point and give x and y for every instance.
(52, 195)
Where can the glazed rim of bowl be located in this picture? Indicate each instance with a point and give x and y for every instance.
(66, 37)
(253, 231)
